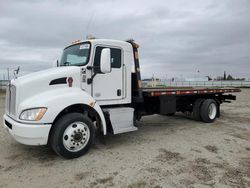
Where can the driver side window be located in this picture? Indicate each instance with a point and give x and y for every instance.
(115, 57)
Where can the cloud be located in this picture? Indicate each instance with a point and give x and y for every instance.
(176, 37)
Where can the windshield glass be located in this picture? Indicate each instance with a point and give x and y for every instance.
(76, 55)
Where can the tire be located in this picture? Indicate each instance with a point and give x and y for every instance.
(72, 135)
(197, 109)
(209, 111)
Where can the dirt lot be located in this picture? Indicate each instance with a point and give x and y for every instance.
(165, 152)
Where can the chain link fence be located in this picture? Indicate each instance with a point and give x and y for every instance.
(3, 84)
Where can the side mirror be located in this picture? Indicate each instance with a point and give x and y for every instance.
(105, 62)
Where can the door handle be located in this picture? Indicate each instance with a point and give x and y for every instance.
(119, 92)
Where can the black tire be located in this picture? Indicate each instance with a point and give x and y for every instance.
(205, 117)
(57, 135)
(197, 109)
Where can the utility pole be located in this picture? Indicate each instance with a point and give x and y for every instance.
(153, 80)
(8, 74)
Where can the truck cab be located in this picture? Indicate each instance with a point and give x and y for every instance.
(92, 78)
(107, 87)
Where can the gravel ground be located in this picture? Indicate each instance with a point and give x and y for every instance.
(165, 152)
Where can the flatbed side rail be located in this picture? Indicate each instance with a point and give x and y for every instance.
(189, 92)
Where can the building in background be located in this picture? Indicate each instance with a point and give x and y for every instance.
(197, 79)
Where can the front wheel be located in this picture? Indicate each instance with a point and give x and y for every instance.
(72, 135)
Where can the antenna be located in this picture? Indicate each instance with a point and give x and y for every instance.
(89, 23)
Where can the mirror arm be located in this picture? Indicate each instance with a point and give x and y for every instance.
(90, 80)
(92, 67)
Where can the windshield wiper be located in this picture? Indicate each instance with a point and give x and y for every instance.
(66, 63)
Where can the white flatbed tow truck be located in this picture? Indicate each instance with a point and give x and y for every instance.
(92, 90)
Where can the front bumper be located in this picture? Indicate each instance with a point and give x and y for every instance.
(28, 134)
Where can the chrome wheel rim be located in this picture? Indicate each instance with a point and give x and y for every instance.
(212, 110)
(76, 136)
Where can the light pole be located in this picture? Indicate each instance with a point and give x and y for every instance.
(8, 74)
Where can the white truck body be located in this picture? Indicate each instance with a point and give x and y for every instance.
(94, 90)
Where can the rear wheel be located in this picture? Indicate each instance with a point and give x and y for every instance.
(197, 109)
(72, 135)
(209, 111)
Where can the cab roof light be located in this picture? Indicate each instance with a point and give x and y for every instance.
(90, 37)
(76, 42)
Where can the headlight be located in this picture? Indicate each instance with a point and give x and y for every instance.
(34, 114)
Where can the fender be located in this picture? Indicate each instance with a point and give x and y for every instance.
(58, 99)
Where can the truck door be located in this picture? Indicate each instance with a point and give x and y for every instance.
(108, 86)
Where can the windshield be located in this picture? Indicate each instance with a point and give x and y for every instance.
(76, 55)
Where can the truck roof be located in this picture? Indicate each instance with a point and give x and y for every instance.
(108, 42)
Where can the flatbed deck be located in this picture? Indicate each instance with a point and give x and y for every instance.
(186, 91)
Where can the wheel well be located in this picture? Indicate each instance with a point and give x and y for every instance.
(215, 99)
(84, 109)
(187, 103)
(206, 97)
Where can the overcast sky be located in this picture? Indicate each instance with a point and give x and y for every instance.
(176, 37)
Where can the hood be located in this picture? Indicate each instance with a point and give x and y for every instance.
(47, 74)
(35, 83)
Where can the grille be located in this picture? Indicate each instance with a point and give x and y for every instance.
(8, 124)
(11, 100)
